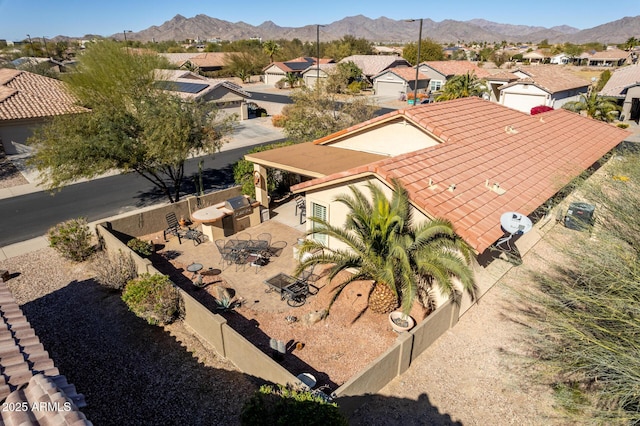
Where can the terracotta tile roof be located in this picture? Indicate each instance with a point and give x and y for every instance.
(27, 95)
(530, 157)
(374, 64)
(210, 59)
(405, 73)
(620, 80)
(451, 68)
(551, 78)
(28, 375)
(610, 54)
(179, 58)
(313, 160)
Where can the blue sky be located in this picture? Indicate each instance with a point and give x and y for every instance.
(48, 18)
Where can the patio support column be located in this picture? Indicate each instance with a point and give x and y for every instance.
(260, 183)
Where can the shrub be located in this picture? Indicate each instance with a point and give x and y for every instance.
(278, 120)
(280, 84)
(72, 239)
(540, 109)
(286, 405)
(143, 248)
(622, 125)
(243, 171)
(153, 298)
(354, 87)
(114, 271)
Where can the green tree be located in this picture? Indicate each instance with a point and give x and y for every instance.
(317, 113)
(602, 81)
(462, 86)
(344, 74)
(429, 51)
(244, 63)
(598, 107)
(270, 48)
(631, 43)
(347, 46)
(292, 79)
(385, 245)
(573, 51)
(132, 126)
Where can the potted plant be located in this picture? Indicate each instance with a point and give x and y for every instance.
(400, 321)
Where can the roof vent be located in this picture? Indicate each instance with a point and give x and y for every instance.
(510, 130)
(452, 187)
(432, 186)
(494, 188)
(542, 120)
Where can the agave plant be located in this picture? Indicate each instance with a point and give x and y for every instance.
(404, 260)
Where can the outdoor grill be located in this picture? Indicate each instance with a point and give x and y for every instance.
(239, 205)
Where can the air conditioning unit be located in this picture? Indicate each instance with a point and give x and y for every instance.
(579, 216)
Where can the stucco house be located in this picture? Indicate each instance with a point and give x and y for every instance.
(467, 160)
(276, 71)
(27, 101)
(624, 85)
(372, 65)
(536, 57)
(548, 85)
(317, 72)
(228, 97)
(398, 81)
(441, 71)
(609, 58)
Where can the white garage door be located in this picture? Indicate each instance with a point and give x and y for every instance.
(389, 88)
(522, 102)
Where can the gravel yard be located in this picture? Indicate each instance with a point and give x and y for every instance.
(133, 373)
(130, 372)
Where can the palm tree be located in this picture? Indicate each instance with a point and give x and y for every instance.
(598, 107)
(405, 260)
(462, 86)
(291, 79)
(270, 47)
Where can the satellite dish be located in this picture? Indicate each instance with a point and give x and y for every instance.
(514, 223)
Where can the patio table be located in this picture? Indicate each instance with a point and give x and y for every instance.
(291, 289)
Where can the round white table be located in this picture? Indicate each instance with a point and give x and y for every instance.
(208, 214)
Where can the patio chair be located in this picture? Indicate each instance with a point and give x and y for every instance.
(227, 255)
(276, 248)
(261, 244)
(173, 227)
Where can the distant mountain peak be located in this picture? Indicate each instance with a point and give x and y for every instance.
(383, 29)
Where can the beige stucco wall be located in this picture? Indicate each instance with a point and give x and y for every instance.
(14, 134)
(392, 139)
(632, 92)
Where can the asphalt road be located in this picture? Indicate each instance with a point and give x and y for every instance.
(31, 215)
(285, 99)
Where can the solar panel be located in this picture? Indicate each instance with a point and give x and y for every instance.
(181, 86)
(298, 66)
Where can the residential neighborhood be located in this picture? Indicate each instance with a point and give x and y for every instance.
(258, 229)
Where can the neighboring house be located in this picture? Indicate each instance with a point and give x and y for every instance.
(609, 58)
(441, 71)
(32, 389)
(547, 85)
(276, 71)
(29, 61)
(624, 85)
(560, 59)
(466, 160)
(318, 71)
(27, 101)
(372, 65)
(204, 62)
(228, 97)
(536, 57)
(498, 80)
(398, 81)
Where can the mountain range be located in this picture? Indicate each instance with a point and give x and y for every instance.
(383, 30)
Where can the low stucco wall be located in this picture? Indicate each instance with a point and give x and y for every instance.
(150, 221)
(210, 327)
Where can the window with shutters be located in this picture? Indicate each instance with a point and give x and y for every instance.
(319, 211)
